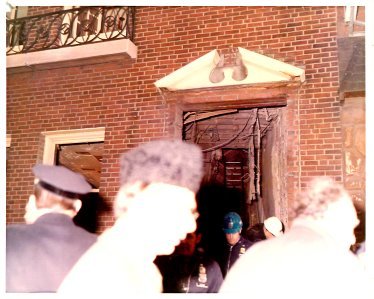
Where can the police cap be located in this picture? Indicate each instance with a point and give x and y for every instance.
(61, 181)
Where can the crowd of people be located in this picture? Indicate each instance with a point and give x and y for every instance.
(154, 245)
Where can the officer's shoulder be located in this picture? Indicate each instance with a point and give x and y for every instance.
(16, 229)
(246, 242)
(18, 234)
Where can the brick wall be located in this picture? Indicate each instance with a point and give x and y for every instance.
(39, 10)
(123, 98)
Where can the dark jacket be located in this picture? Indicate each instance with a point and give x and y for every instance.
(190, 274)
(232, 253)
(255, 233)
(39, 255)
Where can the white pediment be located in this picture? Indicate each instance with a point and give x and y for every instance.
(260, 69)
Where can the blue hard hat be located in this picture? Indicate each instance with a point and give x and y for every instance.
(232, 223)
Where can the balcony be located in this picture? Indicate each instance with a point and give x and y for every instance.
(75, 36)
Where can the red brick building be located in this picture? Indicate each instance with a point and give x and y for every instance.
(259, 88)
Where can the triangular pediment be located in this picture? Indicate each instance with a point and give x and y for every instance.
(259, 69)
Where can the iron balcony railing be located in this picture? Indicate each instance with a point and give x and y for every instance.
(67, 28)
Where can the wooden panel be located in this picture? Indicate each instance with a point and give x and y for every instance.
(83, 158)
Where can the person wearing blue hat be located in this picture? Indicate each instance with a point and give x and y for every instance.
(236, 245)
(41, 252)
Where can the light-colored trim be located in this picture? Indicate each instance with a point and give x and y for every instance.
(350, 17)
(54, 138)
(24, 10)
(272, 64)
(208, 60)
(350, 13)
(120, 46)
(261, 69)
(8, 140)
(9, 8)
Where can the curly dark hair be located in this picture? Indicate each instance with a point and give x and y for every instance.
(255, 233)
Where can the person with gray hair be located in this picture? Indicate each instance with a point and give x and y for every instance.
(312, 259)
(155, 208)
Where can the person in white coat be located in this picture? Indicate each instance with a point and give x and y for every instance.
(155, 209)
(312, 259)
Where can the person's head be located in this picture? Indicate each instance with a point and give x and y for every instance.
(327, 203)
(188, 245)
(232, 227)
(256, 233)
(57, 189)
(272, 227)
(159, 181)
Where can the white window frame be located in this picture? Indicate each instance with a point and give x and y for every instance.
(12, 16)
(8, 140)
(53, 138)
(350, 17)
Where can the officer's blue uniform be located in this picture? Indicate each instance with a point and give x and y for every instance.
(39, 255)
(190, 274)
(232, 224)
(232, 253)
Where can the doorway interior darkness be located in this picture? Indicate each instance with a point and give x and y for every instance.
(244, 162)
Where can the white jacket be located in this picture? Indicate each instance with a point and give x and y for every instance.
(303, 263)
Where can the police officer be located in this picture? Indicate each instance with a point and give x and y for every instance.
(41, 252)
(236, 244)
(189, 269)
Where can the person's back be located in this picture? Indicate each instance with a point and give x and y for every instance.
(155, 208)
(189, 269)
(302, 263)
(312, 259)
(113, 265)
(41, 252)
(190, 274)
(39, 255)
